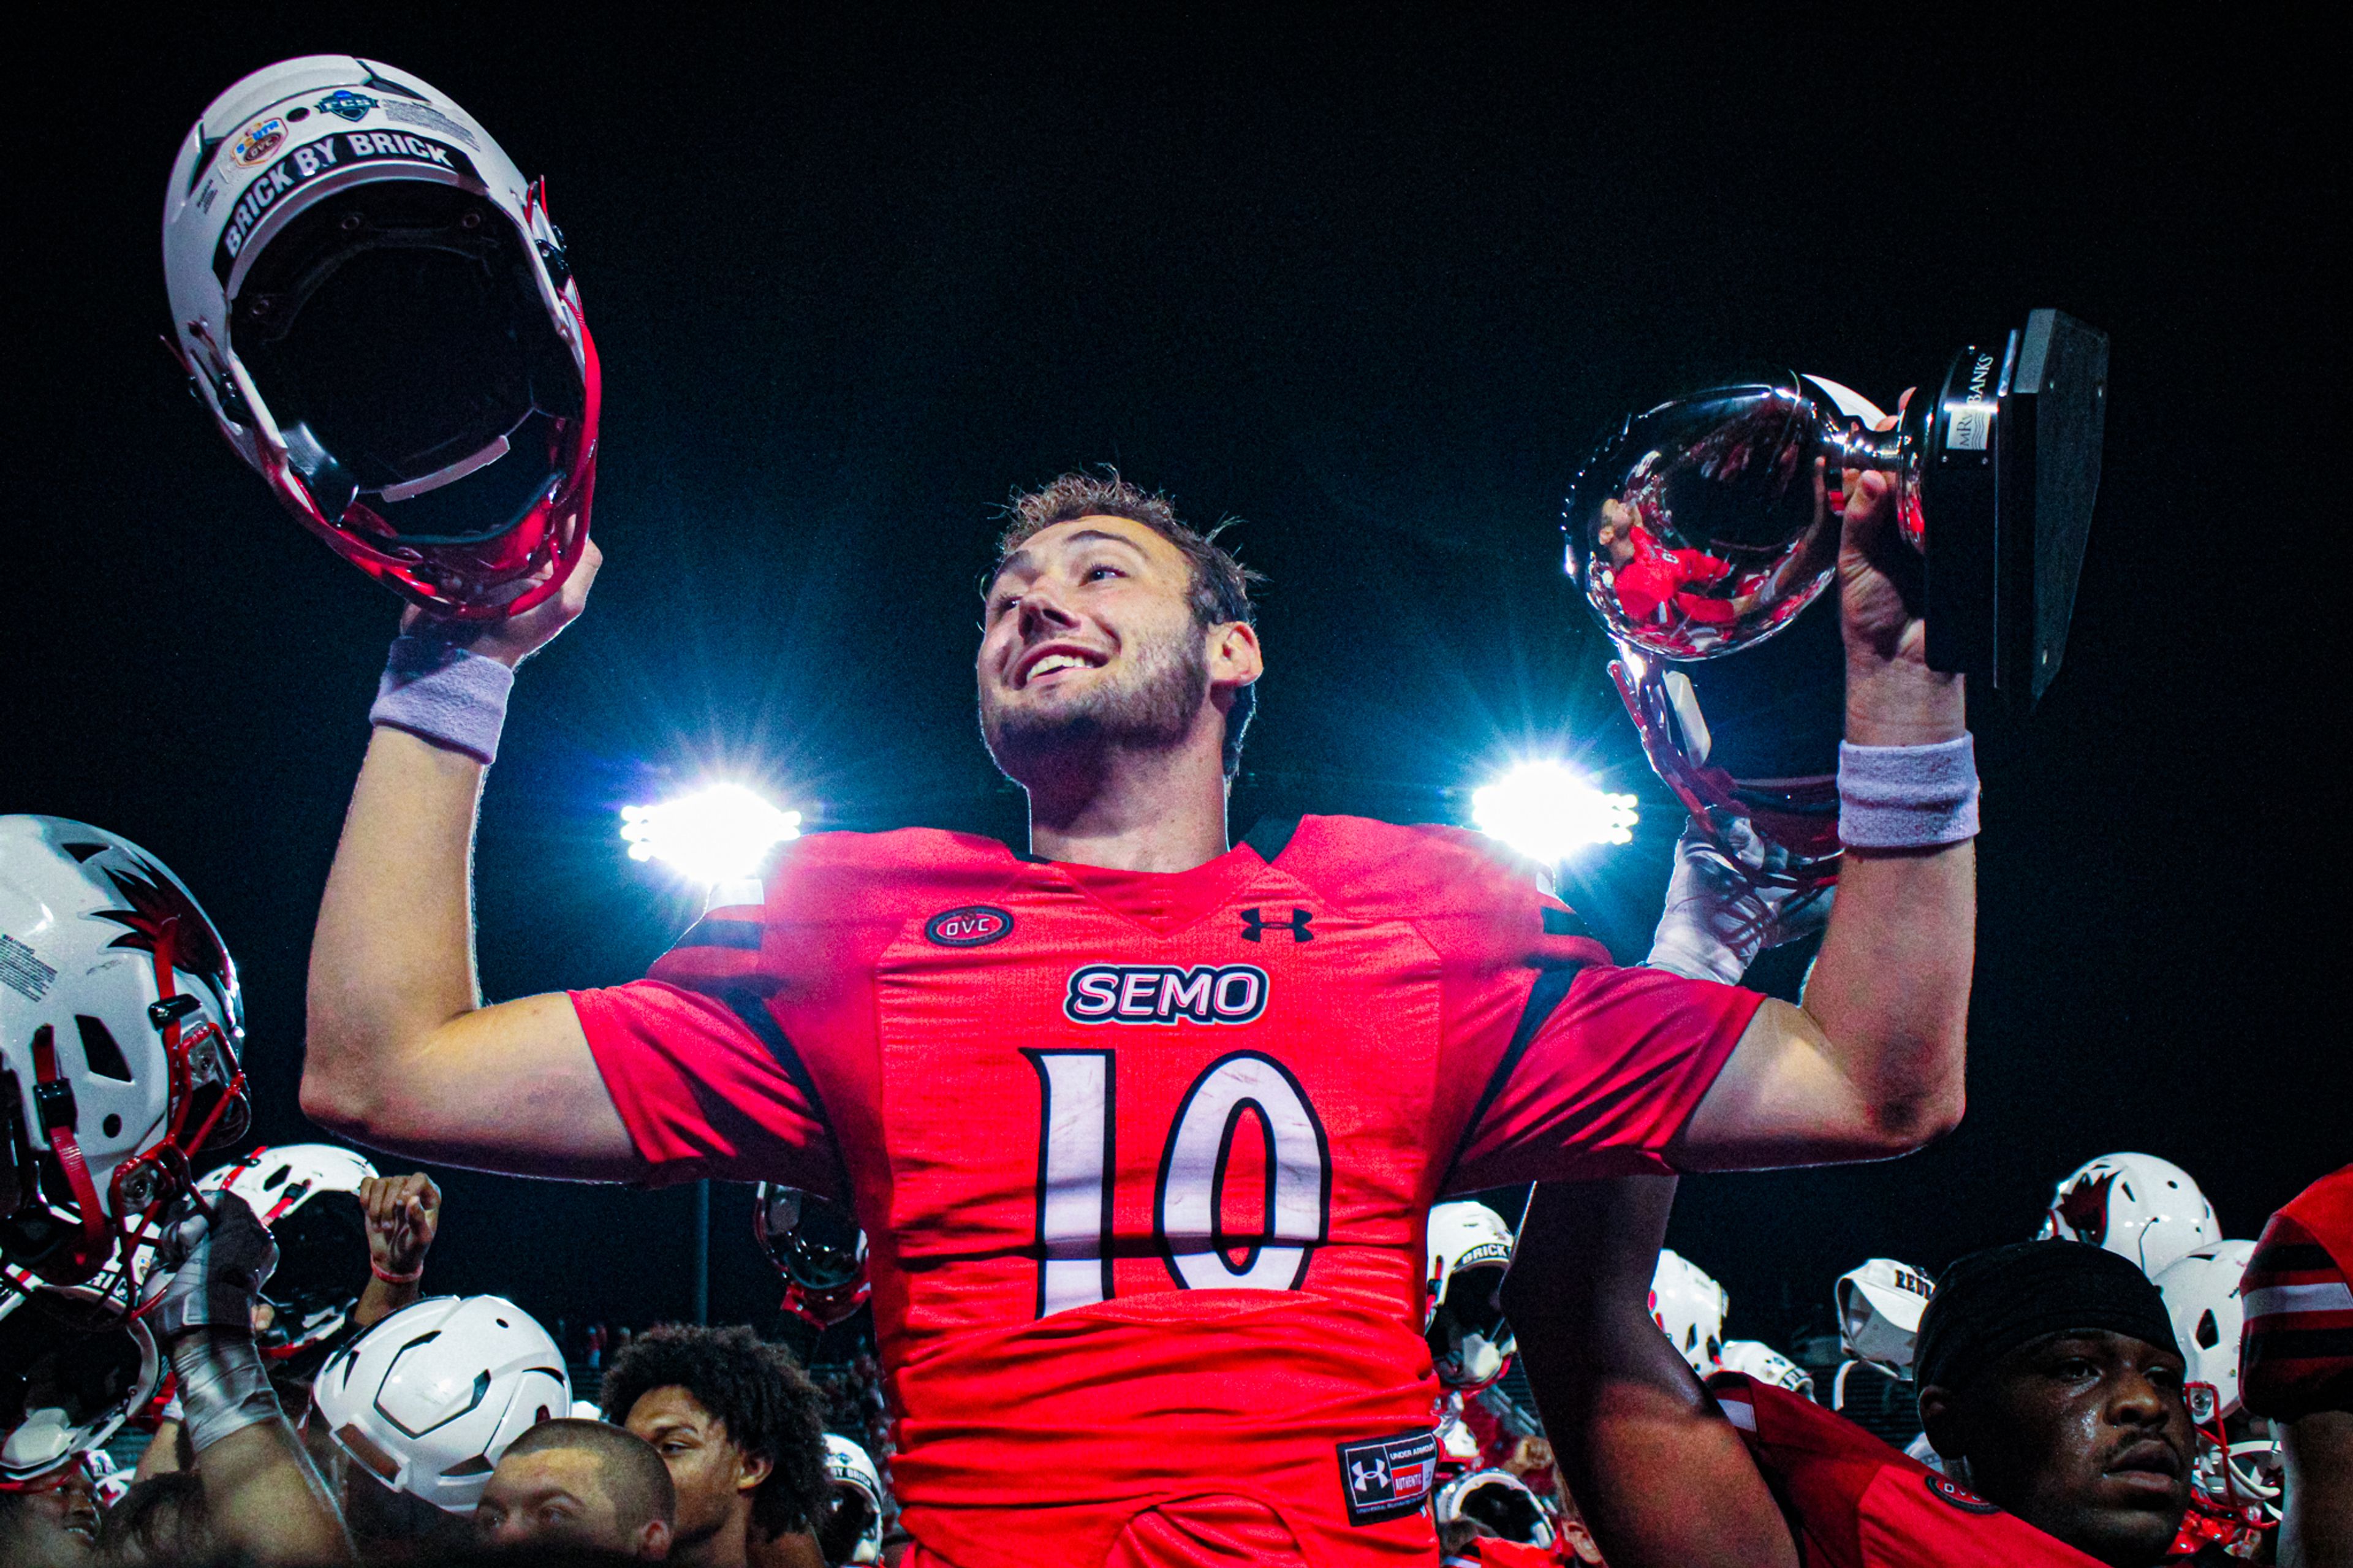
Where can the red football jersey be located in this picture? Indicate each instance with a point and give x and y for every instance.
(1143, 1160)
(2295, 1353)
(1854, 1502)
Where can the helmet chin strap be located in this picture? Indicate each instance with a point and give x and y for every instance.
(53, 1095)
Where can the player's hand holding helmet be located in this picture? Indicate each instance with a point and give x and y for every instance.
(375, 306)
(308, 1197)
(120, 1023)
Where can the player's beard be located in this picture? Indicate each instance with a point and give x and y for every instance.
(1150, 705)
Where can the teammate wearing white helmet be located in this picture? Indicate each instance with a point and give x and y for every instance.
(2236, 1493)
(351, 1242)
(2136, 1205)
(120, 1025)
(1470, 1252)
(421, 1406)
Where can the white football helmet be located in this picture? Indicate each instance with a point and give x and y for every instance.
(120, 1023)
(1767, 1365)
(1470, 1252)
(1879, 1308)
(1500, 1501)
(374, 306)
(1689, 1308)
(2202, 1295)
(857, 1500)
(2136, 1205)
(72, 1369)
(307, 1196)
(428, 1399)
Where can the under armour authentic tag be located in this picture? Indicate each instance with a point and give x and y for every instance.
(1388, 1478)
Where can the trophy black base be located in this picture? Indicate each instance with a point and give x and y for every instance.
(2009, 469)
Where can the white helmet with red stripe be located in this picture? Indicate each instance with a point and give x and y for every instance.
(2140, 1206)
(307, 1194)
(1689, 1307)
(120, 1022)
(374, 305)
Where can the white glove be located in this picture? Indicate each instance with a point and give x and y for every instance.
(1718, 917)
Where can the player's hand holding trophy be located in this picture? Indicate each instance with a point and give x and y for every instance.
(1705, 528)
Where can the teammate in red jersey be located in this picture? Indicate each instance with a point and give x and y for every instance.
(2295, 1364)
(2077, 1433)
(1142, 1127)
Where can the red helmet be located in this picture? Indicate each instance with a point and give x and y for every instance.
(375, 308)
(818, 1248)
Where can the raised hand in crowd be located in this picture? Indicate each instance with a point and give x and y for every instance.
(261, 1498)
(404, 1215)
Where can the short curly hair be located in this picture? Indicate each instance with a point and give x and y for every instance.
(771, 1409)
(1220, 583)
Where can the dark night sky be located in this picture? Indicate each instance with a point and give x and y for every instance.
(1370, 280)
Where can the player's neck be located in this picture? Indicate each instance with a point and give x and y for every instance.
(1161, 810)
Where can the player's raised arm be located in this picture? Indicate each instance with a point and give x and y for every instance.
(1661, 1476)
(402, 1055)
(1871, 1065)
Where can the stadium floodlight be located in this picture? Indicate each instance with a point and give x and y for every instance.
(1547, 812)
(717, 837)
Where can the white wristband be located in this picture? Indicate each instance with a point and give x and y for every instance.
(1907, 798)
(444, 694)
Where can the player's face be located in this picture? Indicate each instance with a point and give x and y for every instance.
(2085, 1435)
(56, 1522)
(557, 1496)
(710, 1472)
(1087, 641)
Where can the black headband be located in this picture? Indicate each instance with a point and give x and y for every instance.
(1991, 1302)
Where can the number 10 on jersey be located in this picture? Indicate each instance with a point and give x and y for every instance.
(1078, 1163)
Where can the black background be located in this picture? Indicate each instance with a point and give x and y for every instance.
(1371, 280)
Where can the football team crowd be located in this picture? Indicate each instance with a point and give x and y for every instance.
(262, 1376)
(1295, 1199)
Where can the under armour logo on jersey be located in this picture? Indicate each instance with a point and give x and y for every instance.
(1388, 1477)
(1254, 925)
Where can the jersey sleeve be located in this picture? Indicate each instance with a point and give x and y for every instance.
(701, 1091)
(2295, 1353)
(1604, 1068)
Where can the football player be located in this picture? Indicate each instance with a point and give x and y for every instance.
(2295, 1364)
(737, 1423)
(2052, 1384)
(1108, 1110)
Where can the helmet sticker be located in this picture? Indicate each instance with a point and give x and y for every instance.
(260, 141)
(316, 159)
(346, 104)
